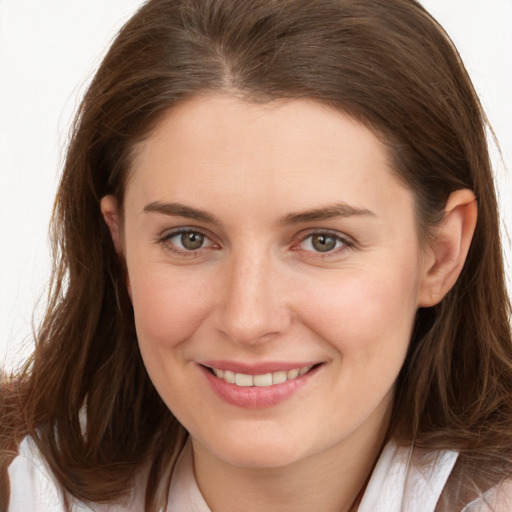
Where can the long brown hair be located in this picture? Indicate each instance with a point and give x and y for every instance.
(388, 64)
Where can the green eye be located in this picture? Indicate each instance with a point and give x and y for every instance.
(323, 242)
(192, 240)
(186, 241)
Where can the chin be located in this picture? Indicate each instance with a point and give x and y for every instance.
(256, 451)
(260, 457)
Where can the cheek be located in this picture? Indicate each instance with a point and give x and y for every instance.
(366, 324)
(365, 315)
(168, 311)
(168, 307)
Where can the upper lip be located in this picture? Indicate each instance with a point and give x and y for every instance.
(257, 368)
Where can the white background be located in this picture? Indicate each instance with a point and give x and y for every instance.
(48, 51)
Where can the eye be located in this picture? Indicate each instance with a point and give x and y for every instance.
(190, 241)
(324, 242)
(186, 241)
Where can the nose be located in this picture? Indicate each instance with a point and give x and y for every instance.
(253, 306)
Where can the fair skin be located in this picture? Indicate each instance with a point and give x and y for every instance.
(300, 250)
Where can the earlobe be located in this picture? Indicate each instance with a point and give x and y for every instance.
(449, 247)
(110, 212)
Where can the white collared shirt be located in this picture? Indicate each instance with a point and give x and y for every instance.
(404, 480)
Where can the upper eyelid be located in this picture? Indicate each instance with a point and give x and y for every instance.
(170, 232)
(319, 231)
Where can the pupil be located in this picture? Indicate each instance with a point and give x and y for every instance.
(324, 243)
(192, 241)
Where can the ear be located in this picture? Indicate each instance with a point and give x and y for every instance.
(447, 252)
(110, 212)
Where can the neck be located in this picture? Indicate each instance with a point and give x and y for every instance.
(332, 481)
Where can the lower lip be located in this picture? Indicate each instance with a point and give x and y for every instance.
(255, 397)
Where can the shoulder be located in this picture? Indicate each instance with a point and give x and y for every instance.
(34, 488)
(496, 499)
(407, 478)
(31, 484)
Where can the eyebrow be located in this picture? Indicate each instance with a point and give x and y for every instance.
(181, 210)
(325, 213)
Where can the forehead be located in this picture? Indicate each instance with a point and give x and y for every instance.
(290, 155)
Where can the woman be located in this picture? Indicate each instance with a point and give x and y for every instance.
(272, 290)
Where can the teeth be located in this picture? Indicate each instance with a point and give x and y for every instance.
(265, 380)
(243, 380)
(279, 377)
(292, 374)
(228, 376)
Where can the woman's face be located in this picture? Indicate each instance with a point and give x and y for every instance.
(271, 245)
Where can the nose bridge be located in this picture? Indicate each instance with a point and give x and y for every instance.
(253, 307)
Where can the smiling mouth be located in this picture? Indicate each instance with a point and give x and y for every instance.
(263, 380)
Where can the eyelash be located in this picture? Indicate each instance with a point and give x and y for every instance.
(165, 241)
(346, 243)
